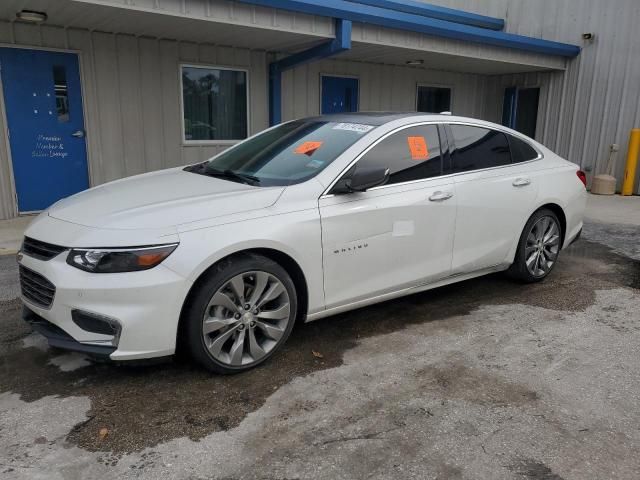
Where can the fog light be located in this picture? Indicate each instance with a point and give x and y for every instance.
(94, 323)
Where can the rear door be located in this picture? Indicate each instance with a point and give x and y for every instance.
(394, 236)
(495, 195)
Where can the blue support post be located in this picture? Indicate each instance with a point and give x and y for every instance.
(275, 95)
(340, 43)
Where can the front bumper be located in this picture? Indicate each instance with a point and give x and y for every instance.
(60, 339)
(144, 306)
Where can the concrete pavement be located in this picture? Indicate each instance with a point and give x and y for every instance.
(11, 233)
(614, 209)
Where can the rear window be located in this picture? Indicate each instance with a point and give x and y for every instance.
(477, 148)
(521, 151)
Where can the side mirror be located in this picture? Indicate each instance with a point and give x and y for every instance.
(362, 180)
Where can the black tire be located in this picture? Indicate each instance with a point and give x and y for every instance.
(518, 269)
(215, 279)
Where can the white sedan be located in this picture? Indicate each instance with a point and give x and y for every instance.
(307, 219)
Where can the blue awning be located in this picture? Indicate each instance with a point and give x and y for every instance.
(439, 13)
(401, 20)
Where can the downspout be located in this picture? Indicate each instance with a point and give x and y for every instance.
(340, 43)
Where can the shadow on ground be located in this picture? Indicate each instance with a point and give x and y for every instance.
(143, 406)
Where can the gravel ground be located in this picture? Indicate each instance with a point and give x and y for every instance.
(485, 379)
(8, 274)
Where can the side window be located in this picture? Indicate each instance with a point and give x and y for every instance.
(410, 154)
(521, 151)
(477, 148)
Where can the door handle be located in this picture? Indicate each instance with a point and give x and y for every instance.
(78, 134)
(440, 196)
(521, 182)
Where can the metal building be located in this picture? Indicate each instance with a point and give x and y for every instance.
(96, 90)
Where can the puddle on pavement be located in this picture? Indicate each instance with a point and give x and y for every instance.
(144, 406)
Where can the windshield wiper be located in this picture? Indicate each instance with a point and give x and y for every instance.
(243, 177)
(204, 169)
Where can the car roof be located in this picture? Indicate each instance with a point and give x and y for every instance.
(373, 118)
(378, 119)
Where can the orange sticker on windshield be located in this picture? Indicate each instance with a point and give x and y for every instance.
(418, 148)
(307, 148)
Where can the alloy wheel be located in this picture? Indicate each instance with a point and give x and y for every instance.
(246, 318)
(543, 245)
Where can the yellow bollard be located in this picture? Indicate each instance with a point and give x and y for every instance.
(632, 162)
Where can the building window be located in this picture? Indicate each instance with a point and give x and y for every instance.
(433, 99)
(214, 104)
(62, 93)
(520, 109)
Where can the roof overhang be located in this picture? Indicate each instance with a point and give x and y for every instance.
(367, 14)
(268, 29)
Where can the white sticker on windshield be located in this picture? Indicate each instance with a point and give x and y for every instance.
(353, 127)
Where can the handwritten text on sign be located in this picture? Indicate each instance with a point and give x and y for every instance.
(49, 146)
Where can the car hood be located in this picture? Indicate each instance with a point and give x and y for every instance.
(161, 199)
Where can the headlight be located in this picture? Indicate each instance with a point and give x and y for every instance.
(114, 260)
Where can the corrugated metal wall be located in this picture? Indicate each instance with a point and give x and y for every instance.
(132, 99)
(381, 87)
(132, 96)
(597, 101)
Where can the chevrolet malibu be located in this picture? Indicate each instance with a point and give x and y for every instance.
(307, 219)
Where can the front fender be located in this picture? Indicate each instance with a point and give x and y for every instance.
(296, 234)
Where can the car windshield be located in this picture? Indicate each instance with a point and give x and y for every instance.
(290, 153)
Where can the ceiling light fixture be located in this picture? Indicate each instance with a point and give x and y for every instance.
(414, 62)
(31, 16)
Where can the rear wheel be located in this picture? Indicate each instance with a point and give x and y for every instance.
(538, 248)
(242, 312)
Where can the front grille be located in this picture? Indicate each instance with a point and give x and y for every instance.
(40, 250)
(35, 288)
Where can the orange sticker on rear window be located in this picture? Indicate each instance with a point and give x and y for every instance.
(307, 148)
(418, 148)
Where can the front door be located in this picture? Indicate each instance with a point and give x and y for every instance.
(395, 236)
(339, 94)
(43, 105)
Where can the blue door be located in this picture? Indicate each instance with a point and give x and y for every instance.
(339, 94)
(43, 104)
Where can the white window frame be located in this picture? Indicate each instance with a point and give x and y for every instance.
(435, 85)
(182, 126)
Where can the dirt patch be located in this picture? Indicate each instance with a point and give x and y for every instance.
(455, 380)
(529, 468)
(13, 328)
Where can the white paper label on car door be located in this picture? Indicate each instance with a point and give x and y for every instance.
(403, 228)
(353, 127)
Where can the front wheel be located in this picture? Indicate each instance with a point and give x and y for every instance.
(538, 248)
(241, 313)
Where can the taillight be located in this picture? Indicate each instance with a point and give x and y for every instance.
(583, 177)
